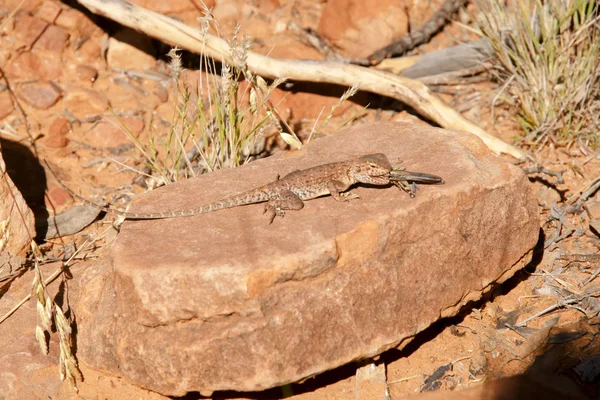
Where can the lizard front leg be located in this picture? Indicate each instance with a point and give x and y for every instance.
(337, 190)
(287, 200)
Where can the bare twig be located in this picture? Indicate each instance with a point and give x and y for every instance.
(591, 278)
(574, 204)
(560, 304)
(408, 378)
(572, 301)
(537, 169)
(570, 257)
(558, 237)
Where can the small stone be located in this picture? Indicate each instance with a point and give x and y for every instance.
(124, 55)
(97, 99)
(110, 132)
(86, 103)
(593, 207)
(36, 65)
(90, 50)
(56, 142)
(60, 126)
(54, 38)
(6, 104)
(59, 196)
(28, 29)
(268, 6)
(39, 95)
(371, 382)
(57, 132)
(86, 73)
(48, 11)
(162, 93)
(70, 19)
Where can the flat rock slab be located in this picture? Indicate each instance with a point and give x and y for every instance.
(225, 301)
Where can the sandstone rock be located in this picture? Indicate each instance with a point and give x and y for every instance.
(57, 132)
(34, 65)
(360, 30)
(48, 11)
(225, 301)
(6, 104)
(91, 51)
(162, 93)
(40, 95)
(268, 6)
(59, 196)
(371, 382)
(28, 6)
(86, 73)
(75, 20)
(56, 142)
(86, 103)
(60, 126)
(110, 132)
(17, 225)
(121, 54)
(54, 39)
(28, 29)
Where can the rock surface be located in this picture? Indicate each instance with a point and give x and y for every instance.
(358, 30)
(40, 95)
(17, 225)
(226, 301)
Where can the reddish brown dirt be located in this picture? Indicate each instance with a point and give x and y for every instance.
(63, 84)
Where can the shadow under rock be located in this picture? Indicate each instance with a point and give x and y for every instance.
(25, 170)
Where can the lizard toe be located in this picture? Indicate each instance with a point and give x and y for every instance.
(350, 196)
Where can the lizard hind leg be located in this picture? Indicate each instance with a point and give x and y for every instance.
(287, 200)
(337, 191)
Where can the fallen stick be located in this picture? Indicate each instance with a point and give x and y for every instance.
(411, 92)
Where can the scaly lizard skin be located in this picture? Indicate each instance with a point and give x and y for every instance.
(287, 193)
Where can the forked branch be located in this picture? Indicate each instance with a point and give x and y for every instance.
(411, 92)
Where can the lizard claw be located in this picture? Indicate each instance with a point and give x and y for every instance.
(411, 189)
(350, 196)
(274, 211)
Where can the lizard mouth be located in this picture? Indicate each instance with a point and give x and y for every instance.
(377, 180)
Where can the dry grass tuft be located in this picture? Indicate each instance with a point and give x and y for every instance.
(50, 315)
(221, 123)
(548, 56)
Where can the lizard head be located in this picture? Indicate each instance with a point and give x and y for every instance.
(372, 169)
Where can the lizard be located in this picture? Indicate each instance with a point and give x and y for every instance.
(290, 191)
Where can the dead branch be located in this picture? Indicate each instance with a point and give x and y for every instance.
(413, 93)
(420, 36)
(575, 204)
(463, 56)
(538, 168)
